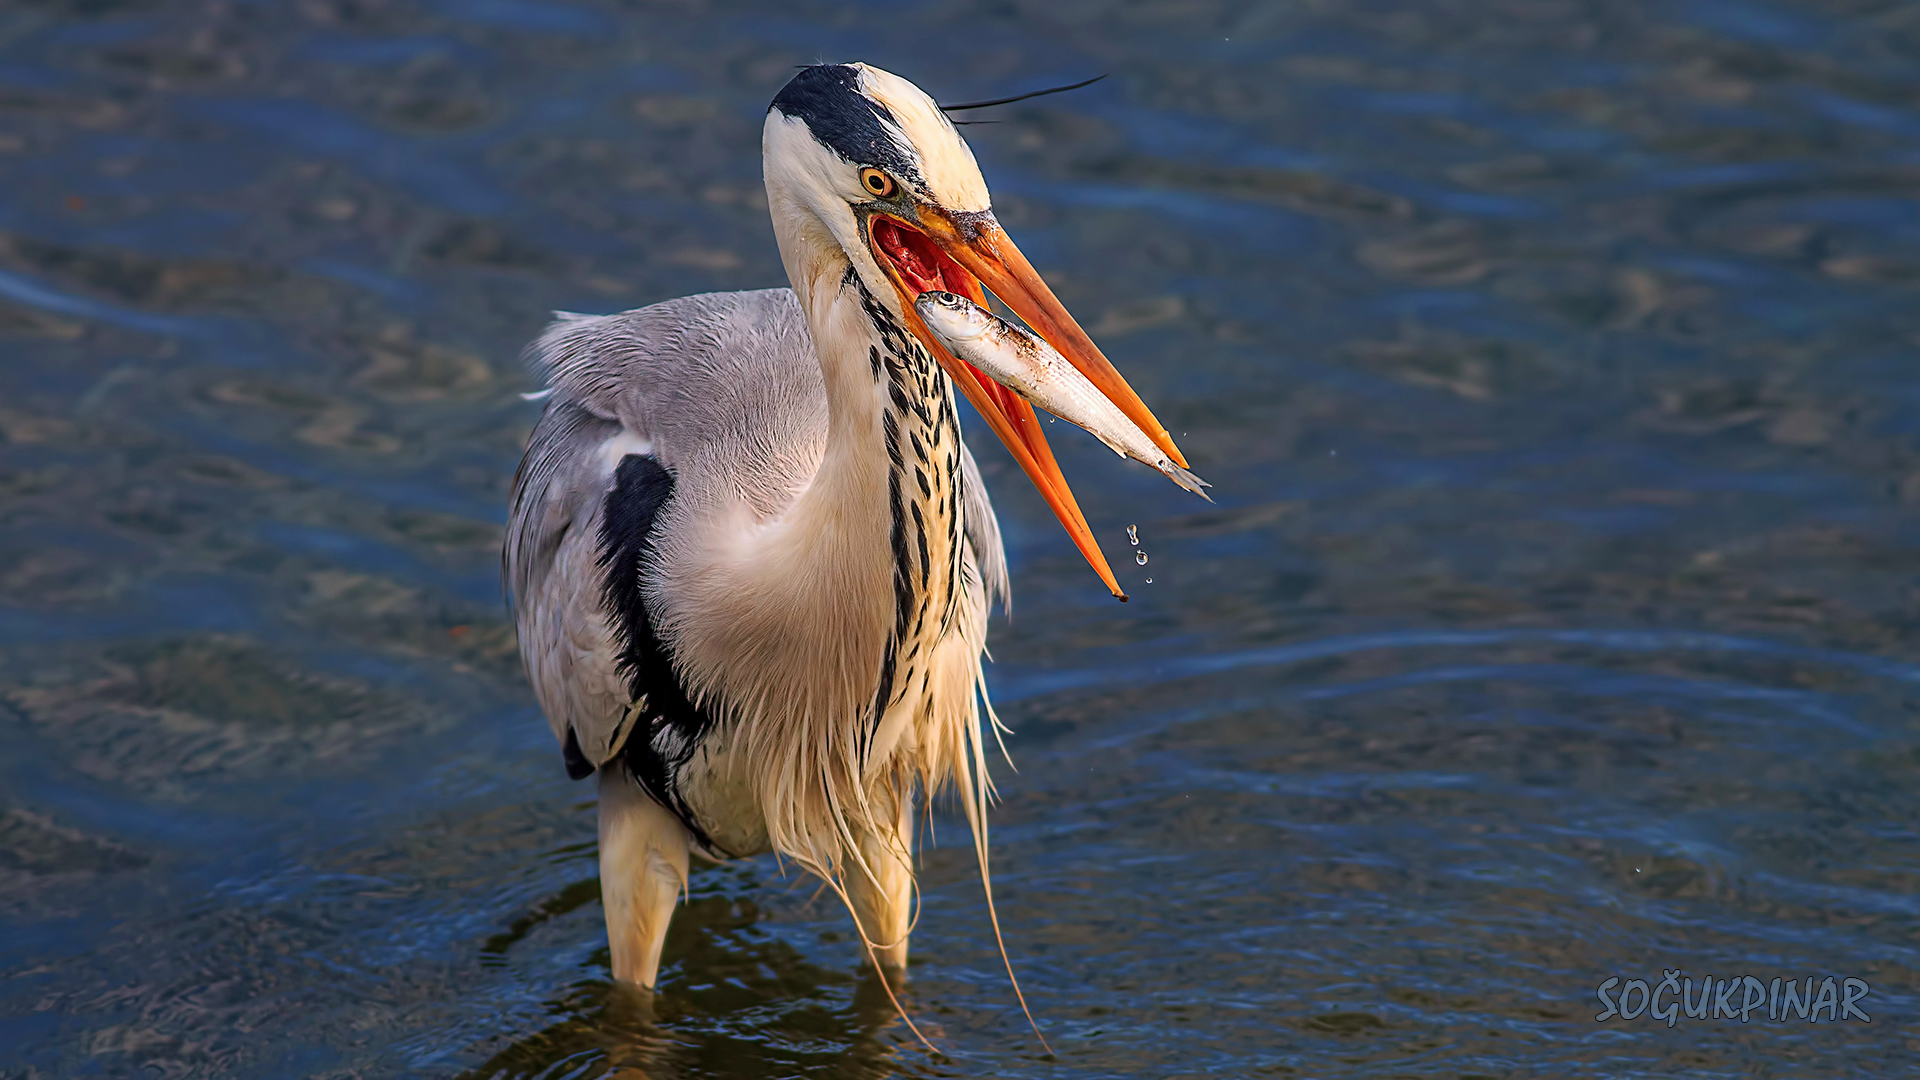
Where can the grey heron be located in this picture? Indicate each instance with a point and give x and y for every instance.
(750, 556)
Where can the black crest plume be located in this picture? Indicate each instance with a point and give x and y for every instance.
(1016, 97)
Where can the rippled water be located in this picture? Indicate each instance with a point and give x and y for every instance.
(1554, 361)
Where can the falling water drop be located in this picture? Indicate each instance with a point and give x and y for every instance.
(1140, 557)
(1133, 535)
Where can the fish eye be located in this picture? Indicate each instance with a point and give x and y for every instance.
(877, 182)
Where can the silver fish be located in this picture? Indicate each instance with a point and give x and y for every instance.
(1030, 367)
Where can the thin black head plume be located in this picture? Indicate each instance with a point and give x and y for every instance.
(1016, 97)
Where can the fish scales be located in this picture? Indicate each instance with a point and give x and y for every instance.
(1027, 365)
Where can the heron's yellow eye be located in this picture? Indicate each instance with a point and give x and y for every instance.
(876, 182)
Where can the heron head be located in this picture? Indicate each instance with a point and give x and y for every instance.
(864, 170)
(871, 164)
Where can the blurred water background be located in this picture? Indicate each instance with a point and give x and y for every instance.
(1554, 362)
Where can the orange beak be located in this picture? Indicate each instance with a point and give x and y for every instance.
(938, 253)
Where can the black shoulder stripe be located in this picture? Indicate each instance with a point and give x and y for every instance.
(578, 767)
(670, 728)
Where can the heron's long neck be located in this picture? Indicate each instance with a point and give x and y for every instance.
(820, 620)
(882, 514)
(818, 628)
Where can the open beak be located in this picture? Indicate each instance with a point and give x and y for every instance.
(936, 253)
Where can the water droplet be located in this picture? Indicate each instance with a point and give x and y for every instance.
(1140, 557)
(1133, 535)
(1149, 581)
(1051, 419)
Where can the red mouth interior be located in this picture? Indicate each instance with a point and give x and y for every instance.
(923, 267)
(920, 264)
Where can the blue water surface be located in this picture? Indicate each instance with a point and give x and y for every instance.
(1554, 361)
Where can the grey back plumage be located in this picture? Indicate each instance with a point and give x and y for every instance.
(725, 392)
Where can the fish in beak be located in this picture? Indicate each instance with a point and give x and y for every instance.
(970, 255)
(1037, 372)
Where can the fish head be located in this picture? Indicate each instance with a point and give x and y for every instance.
(953, 317)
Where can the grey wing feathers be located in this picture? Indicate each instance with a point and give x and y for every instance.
(551, 567)
(553, 488)
(722, 390)
(723, 385)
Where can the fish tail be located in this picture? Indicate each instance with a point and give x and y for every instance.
(1184, 478)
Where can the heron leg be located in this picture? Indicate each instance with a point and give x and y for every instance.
(643, 871)
(883, 902)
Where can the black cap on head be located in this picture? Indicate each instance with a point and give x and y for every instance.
(827, 98)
